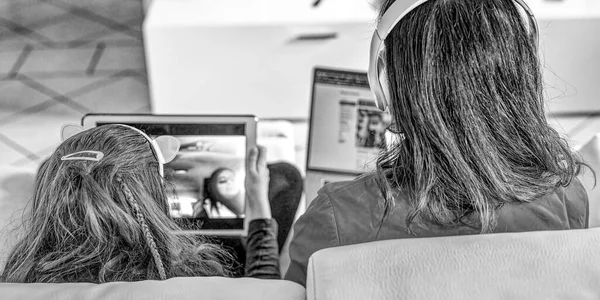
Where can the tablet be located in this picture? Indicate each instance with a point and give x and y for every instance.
(208, 172)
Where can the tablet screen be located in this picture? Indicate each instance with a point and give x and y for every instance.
(208, 173)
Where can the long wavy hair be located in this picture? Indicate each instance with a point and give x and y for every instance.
(466, 90)
(108, 220)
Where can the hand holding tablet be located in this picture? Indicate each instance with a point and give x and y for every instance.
(257, 184)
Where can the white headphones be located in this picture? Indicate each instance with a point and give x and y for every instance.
(398, 10)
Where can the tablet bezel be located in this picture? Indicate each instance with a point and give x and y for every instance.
(250, 122)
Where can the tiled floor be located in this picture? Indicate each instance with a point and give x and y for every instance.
(61, 59)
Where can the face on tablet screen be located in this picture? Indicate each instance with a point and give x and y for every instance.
(208, 174)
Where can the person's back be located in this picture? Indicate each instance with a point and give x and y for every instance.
(473, 151)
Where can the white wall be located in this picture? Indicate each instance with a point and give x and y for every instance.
(188, 75)
(570, 50)
(565, 8)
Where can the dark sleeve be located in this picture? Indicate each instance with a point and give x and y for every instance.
(262, 251)
(578, 206)
(316, 229)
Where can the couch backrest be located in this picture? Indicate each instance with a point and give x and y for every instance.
(215, 288)
(529, 265)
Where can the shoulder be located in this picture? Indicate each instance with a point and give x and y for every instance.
(355, 206)
(566, 207)
(576, 190)
(364, 186)
(349, 197)
(572, 194)
(576, 201)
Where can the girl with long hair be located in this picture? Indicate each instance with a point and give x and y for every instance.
(472, 150)
(100, 213)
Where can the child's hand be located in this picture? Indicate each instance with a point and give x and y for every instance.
(257, 184)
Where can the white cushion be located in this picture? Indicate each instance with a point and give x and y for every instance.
(529, 265)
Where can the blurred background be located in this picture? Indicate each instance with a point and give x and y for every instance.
(61, 59)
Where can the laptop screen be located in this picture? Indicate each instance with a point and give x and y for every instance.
(346, 130)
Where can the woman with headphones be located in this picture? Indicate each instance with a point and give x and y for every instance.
(474, 153)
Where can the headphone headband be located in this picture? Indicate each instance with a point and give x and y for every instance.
(398, 10)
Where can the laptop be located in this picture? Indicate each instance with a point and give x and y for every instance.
(346, 130)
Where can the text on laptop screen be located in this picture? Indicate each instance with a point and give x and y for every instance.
(347, 131)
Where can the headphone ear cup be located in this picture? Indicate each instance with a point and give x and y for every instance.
(69, 130)
(169, 146)
(528, 19)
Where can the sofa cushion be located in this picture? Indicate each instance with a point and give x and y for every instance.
(528, 265)
(181, 288)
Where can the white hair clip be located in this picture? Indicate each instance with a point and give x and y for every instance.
(84, 155)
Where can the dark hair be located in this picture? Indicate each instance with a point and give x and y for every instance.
(106, 221)
(208, 190)
(466, 93)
